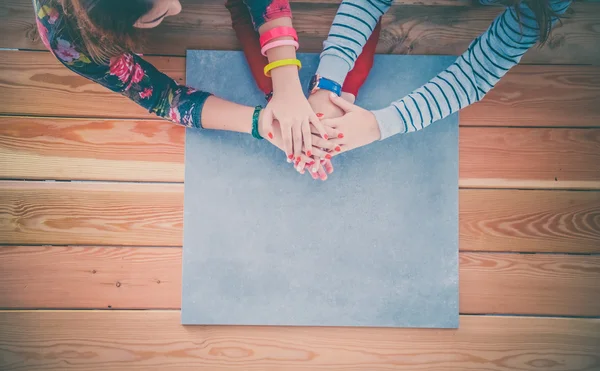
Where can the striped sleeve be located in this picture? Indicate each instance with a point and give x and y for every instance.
(471, 76)
(352, 26)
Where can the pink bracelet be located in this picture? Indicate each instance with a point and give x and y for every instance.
(278, 32)
(277, 43)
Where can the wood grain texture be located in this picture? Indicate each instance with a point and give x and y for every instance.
(530, 284)
(128, 150)
(529, 158)
(75, 149)
(155, 340)
(529, 95)
(74, 213)
(531, 221)
(440, 30)
(90, 277)
(91, 213)
(35, 83)
(150, 278)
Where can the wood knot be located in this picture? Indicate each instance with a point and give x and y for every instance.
(93, 271)
(118, 284)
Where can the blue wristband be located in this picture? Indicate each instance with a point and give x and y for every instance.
(317, 82)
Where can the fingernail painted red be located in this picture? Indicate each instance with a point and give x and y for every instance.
(270, 135)
(309, 154)
(298, 159)
(338, 149)
(319, 115)
(340, 135)
(328, 156)
(290, 156)
(325, 136)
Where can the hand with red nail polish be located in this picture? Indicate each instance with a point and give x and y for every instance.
(356, 128)
(301, 162)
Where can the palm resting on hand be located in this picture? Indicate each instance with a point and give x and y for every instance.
(359, 126)
(326, 109)
(271, 131)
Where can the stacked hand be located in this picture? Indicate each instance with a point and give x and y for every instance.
(296, 117)
(358, 125)
(345, 126)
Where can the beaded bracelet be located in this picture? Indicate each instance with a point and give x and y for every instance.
(255, 117)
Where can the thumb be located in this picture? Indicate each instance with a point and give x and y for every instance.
(341, 103)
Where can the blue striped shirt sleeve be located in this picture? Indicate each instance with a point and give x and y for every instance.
(354, 22)
(488, 58)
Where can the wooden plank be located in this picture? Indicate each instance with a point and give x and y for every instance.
(540, 96)
(90, 277)
(91, 213)
(541, 284)
(127, 150)
(527, 96)
(74, 213)
(75, 149)
(150, 278)
(446, 30)
(35, 83)
(529, 221)
(529, 158)
(155, 340)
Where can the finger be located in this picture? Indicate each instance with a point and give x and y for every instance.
(314, 120)
(307, 137)
(297, 139)
(319, 142)
(341, 103)
(320, 154)
(304, 163)
(315, 176)
(331, 131)
(322, 173)
(328, 166)
(299, 164)
(286, 137)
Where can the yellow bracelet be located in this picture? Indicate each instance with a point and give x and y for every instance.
(281, 63)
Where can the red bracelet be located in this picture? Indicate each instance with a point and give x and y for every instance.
(276, 33)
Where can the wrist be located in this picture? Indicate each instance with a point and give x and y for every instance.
(285, 78)
(374, 130)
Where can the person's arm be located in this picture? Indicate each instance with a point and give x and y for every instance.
(138, 80)
(352, 26)
(288, 105)
(488, 58)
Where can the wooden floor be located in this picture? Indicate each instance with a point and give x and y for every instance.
(91, 199)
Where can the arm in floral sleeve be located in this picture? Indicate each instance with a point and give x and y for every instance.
(129, 75)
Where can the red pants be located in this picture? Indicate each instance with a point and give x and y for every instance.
(249, 38)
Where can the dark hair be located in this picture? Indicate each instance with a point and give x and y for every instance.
(543, 13)
(105, 28)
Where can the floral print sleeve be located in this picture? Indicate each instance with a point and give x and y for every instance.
(128, 74)
(263, 11)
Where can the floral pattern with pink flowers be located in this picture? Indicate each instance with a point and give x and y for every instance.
(174, 114)
(65, 51)
(121, 67)
(146, 93)
(43, 31)
(131, 75)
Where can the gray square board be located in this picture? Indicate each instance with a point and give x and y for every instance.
(375, 245)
